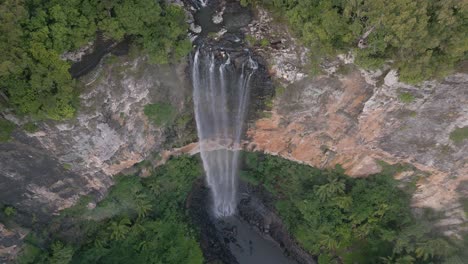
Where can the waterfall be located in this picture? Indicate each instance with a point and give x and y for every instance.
(220, 95)
(199, 3)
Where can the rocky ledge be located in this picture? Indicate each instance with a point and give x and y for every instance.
(218, 237)
(360, 119)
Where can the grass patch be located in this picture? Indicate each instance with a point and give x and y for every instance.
(161, 114)
(266, 114)
(464, 203)
(251, 40)
(392, 170)
(6, 128)
(406, 97)
(459, 134)
(264, 42)
(9, 211)
(345, 69)
(30, 127)
(279, 90)
(183, 120)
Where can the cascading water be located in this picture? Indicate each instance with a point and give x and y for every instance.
(199, 3)
(220, 95)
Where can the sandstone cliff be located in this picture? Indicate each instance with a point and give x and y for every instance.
(358, 119)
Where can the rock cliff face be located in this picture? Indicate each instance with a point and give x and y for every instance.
(50, 169)
(357, 119)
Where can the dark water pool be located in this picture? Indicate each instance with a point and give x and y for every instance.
(248, 246)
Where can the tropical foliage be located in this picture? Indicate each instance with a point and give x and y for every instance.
(160, 113)
(423, 38)
(140, 221)
(6, 128)
(346, 220)
(335, 217)
(33, 34)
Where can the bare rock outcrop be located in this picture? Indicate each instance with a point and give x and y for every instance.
(345, 120)
(47, 171)
(360, 119)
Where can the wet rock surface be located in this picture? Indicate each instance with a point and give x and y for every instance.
(89, 57)
(35, 183)
(288, 61)
(10, 243)
(256, 208)
(212, 243)
(255, 235)
(226, 40)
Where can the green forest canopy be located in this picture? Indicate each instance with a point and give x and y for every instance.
(140, 221)
(33, 34)
(337, 218)
(423, 38)
(346, 220)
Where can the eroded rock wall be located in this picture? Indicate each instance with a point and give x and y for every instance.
(355, 118)
(48, 170)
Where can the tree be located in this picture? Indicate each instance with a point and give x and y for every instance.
(119, 229)
(33, 34)
(332, 189)
(6, 128)
(424, 39)
(61, 254)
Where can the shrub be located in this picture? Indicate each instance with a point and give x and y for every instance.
(459, 134)
(30, 127)
(264, 42)
(9, 211)
(6, 128)
(67, 166)
(161, 114)
(406, 97)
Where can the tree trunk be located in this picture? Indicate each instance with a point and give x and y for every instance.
(362, 43)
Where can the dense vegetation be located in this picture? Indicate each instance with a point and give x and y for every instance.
(335, 217)
(347, 220)
(160, 113)
(34, 80)
(423, 38)
(6, 128)
(459, 134)
(140, 221)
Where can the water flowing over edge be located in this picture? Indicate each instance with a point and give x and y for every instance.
(221, 94)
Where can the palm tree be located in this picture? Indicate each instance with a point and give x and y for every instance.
(143, 205)
(331, 189)
(119, 229)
